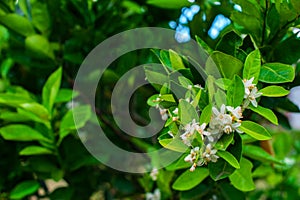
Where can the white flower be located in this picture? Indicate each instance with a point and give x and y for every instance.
(248, 86)
(209, 135)
(192, 156)
(153, 196)
(209, 154)
(163, 113)
(253, 95)
(220, 118)
(154, 174)
(190, 87)
(190, 129)
(236, 112)
(175, 111)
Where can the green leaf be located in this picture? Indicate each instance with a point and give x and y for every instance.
(51, 88)
(257, 153)
(255, 130)
(187, 112)
(230, 43)
(179, 164)
(222, 169)
(19, 132)
(276, 73)
(174, 144)
(82, 113)
(223, 83)
(227, 65)
(204, 45)
(266, 113)
(229, 158)
(210, 87)
(274, 91)
(241, 179)
(235, 93)
(176, 60)
(65, 95)
(224, 142)
(252, 66)
(152, 100)
(167, 97)
(220, 98)
(40, 16)
(34, 150)
(169, 4)
(188, 180)
(14, 100)
(206, 114)
(24, 189)
(39, 46)
(185, 82)
(18, 24)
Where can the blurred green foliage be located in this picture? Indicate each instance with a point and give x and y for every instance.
(43, 43)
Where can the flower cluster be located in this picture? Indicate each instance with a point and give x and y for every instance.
(251, 93)
(225, 120)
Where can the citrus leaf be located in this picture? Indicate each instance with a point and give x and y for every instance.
(276, 73)
(19, 132)
(252, 66)
(188, 180)
(266, 113)
(187, 112)
(258, 153)
(229, 158)
(241, 179)
(34, 150)
(24, 189)
(274, 91)
(255, 130)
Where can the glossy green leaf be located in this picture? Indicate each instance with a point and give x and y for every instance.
(258, 153)
(252, 66)
(276, 73)
(18, 24)
(14, 100)
(169, 4)
(176, 60)
(242, 178)
(220, 98)
(179, 164)
(65, 95)
(68, 124)
(221, 64)
(39, 45)
(19, 132)
(188, 180)
(51, 88)
(174, 144)
(210, 87)
(224, 142)
(223, 83)
(152, 101)
(229, 158)
(24, 189)
(185, 82)
(206, 113)
(235, 93)
(167, 97)
(34, 150)
(266, 113)
(40, 16)
(187, 112)
(274, 91)
(222, 169)
(255, 130)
